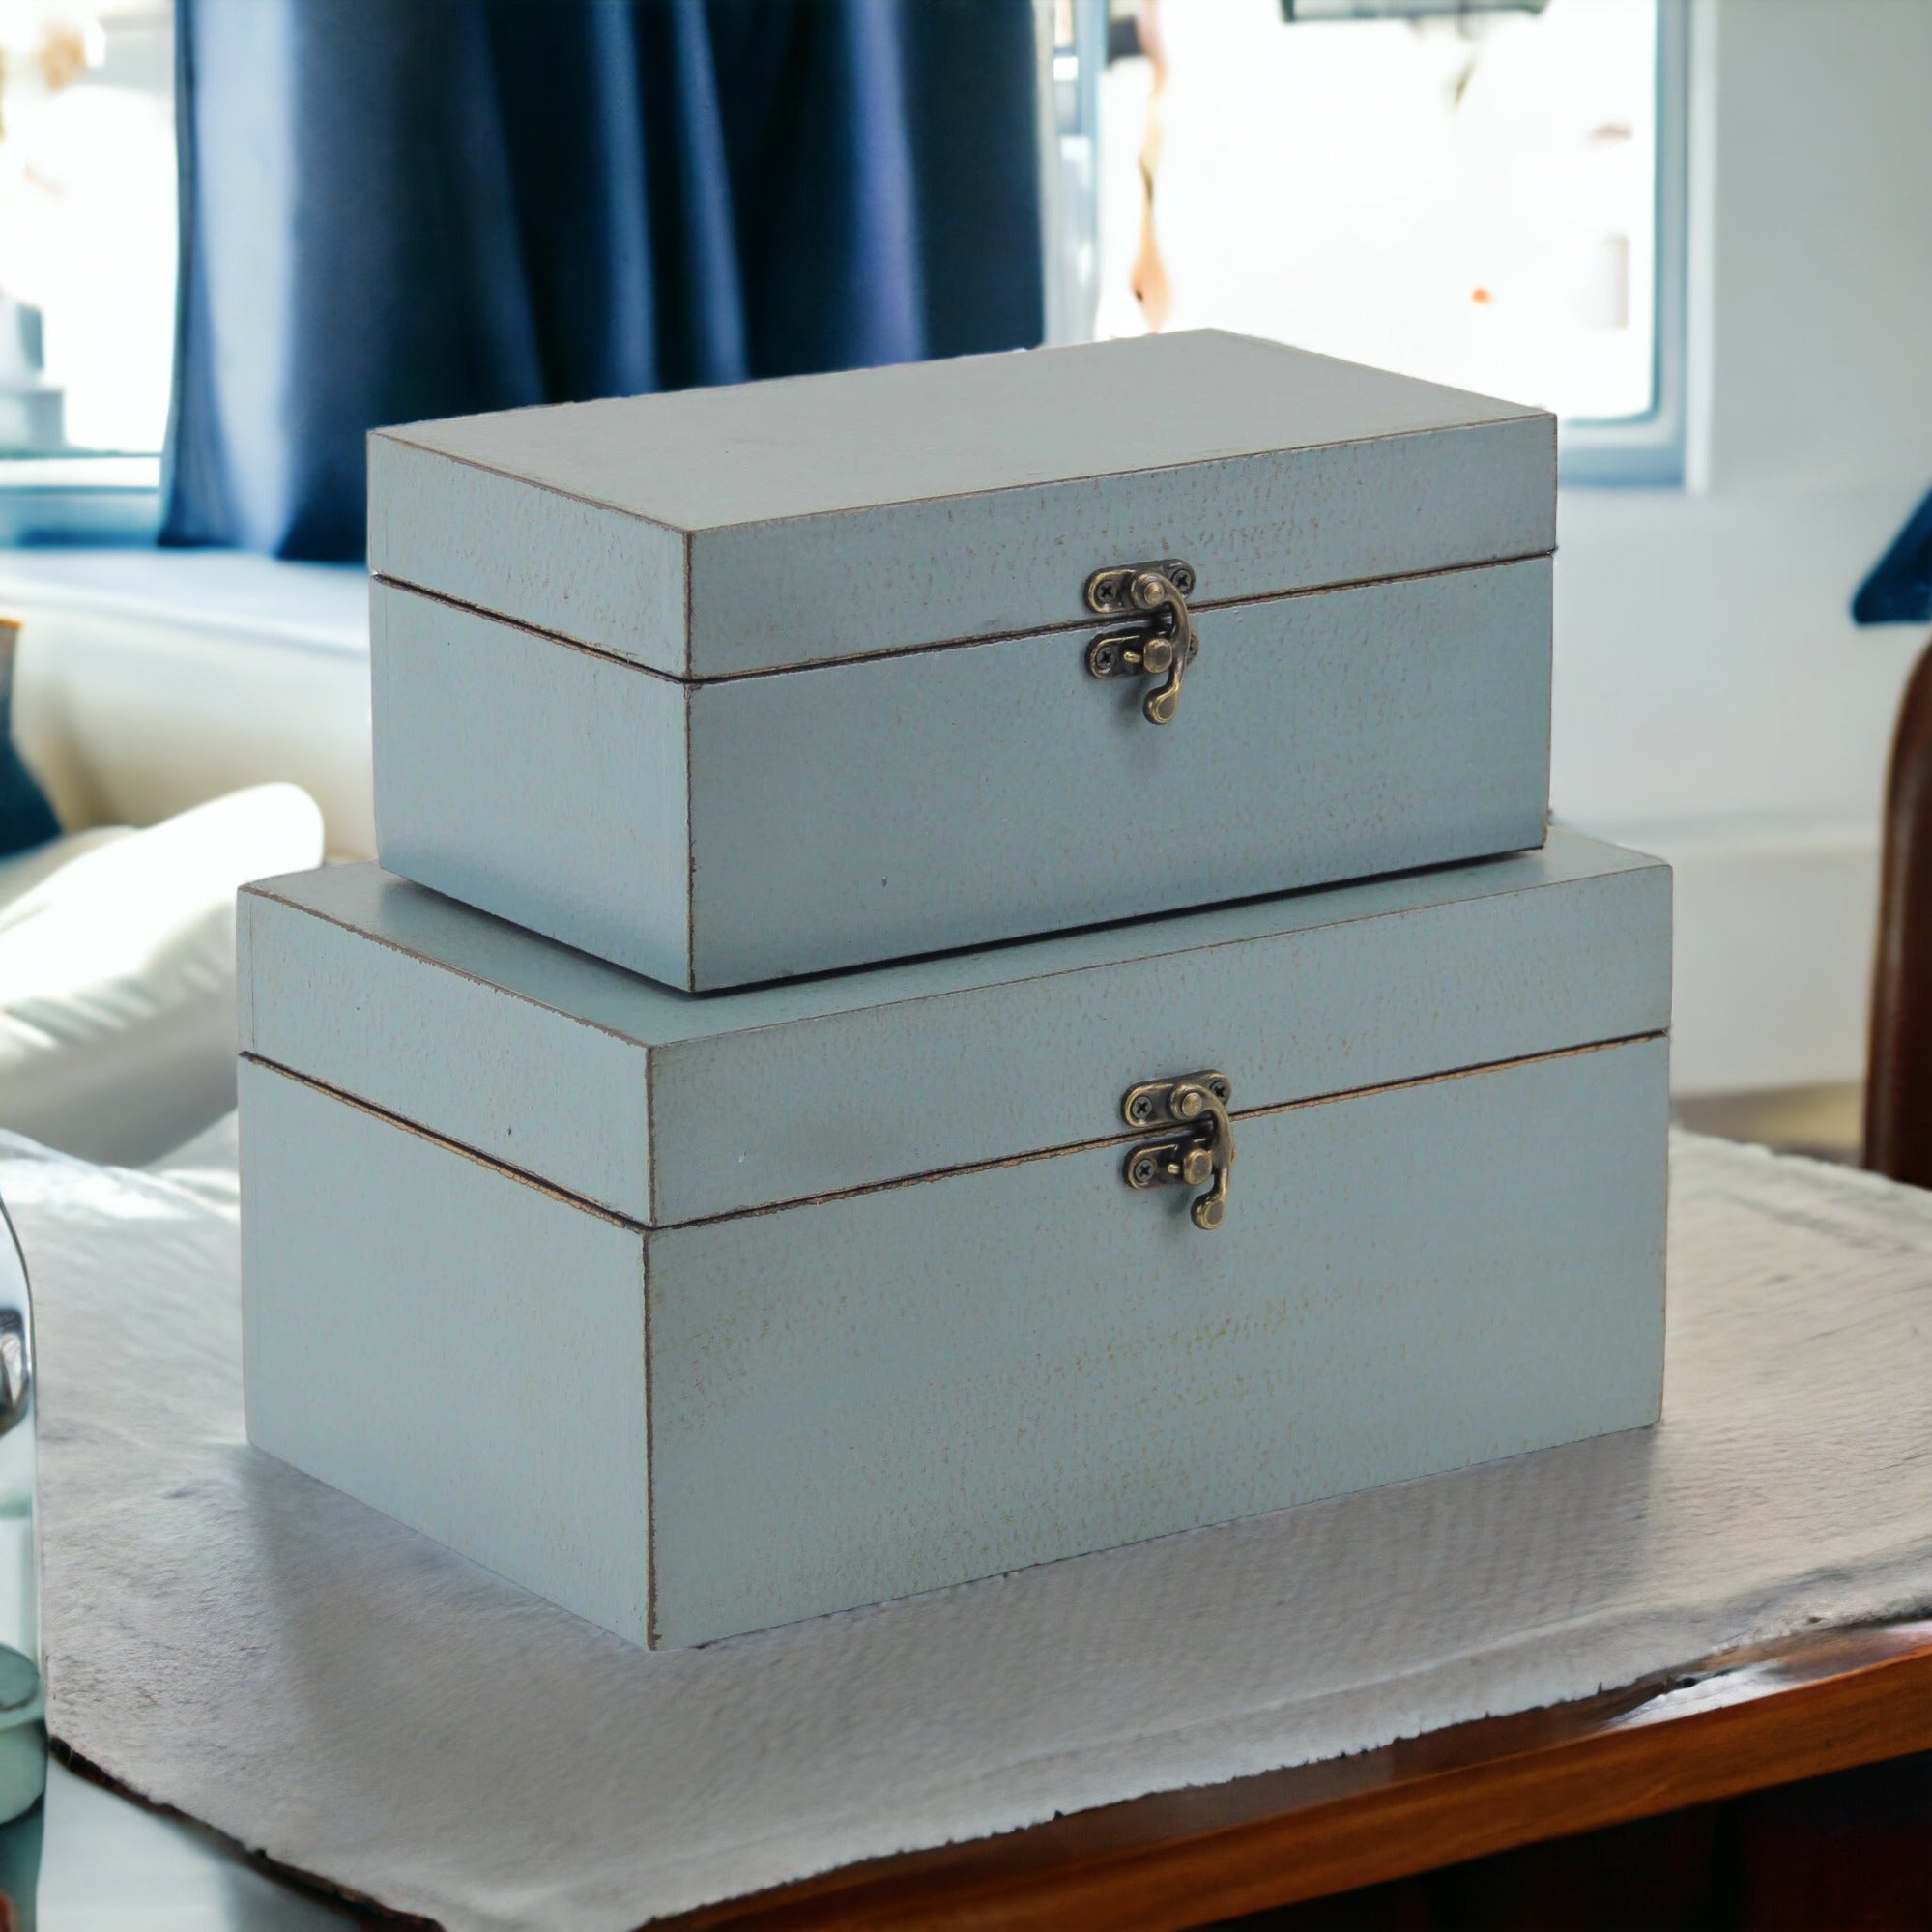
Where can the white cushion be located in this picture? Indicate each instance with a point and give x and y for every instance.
(23, 869)
(117, 973)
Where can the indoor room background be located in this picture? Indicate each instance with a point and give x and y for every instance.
(1693, 230)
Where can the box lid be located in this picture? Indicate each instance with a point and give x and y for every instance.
(667, 1107)
(713, 533)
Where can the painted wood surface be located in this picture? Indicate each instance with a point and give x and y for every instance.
(725, 833)
(462, 1352)
(668, 1109)
(546, 784)
(857, 1399)
(717, 531)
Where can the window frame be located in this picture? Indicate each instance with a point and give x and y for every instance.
(1646, 450)
(94, 496)
(108, 501)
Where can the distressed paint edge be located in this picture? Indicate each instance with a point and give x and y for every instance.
(1645, 863)
(1649, 1416)
(690, 699)
(898, 1181)
(245, 968)
(1641, 876)
(379, 683)
(738, 544)
(632, 1619)
(252, 897)
(1631, 861)
(1642, 892)
(1510, 415)
(661, 552)
(695, 681)
(397, 437)
(652, 1636)
(624, 706)
(1500, 412)
(1521, 414)
(260, 889)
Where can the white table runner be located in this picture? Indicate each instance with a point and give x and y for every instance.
(235, 1640)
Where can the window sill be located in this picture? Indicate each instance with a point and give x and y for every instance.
(321, 606)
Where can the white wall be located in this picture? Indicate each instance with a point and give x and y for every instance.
(1713, 702)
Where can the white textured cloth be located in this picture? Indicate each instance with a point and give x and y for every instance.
(235, 1640)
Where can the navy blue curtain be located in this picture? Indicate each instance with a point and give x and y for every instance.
(401, 209)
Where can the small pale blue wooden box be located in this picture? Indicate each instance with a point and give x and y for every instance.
(735, 684)
(701, 1315)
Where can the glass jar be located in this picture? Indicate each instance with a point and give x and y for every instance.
(23, 1739)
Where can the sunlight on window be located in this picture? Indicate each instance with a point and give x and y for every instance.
(87, 225)
(1469, 197)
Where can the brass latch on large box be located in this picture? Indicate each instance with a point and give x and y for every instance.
(1159, 592)
(1204, 1154)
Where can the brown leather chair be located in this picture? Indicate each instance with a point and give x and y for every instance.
(1898, 1065)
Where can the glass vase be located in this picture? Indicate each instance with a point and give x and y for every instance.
(24, 1743)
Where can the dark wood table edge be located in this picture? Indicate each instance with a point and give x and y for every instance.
(1738, 1722)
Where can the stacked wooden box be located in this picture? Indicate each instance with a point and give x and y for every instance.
(765, 1138)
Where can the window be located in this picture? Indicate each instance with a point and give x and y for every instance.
(1485, 193)
(87, 265)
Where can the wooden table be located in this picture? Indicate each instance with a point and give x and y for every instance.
(1737, 1723)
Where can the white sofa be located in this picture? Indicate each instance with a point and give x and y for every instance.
(216, 701)
(149, 681)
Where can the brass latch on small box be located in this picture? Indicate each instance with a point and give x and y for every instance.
(1159, 592)
(1203, 1155)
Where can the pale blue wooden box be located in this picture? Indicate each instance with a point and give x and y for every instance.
(736, 684)
(699, 1315)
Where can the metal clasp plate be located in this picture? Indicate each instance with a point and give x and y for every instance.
(1200, 1156)
(1165, 647)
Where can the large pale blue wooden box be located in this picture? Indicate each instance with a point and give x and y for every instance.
(741, 683)
(699, 1315)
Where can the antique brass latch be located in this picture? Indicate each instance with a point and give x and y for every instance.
(1164, 649)
(1203, 1154)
